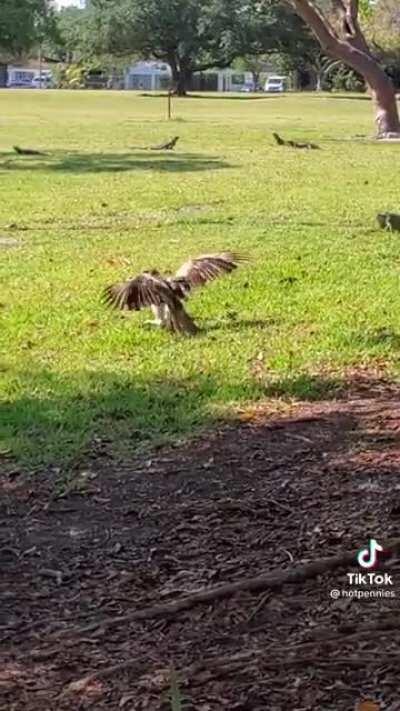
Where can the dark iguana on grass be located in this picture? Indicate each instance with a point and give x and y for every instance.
(294, 144)
(28, 151)
(389, 220)
(165, 294)
(166, 146)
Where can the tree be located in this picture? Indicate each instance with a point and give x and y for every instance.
(278, 36)
(73, 35)
(341, 37)
(382, 29)
(187, 34)
(194, 35)
(23, 24)
(255, 64)
(322, 66)
(382, 25)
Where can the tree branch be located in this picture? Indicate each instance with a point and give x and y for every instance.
(352, 14)
(349, 44)
(319, 24)
(222, 64)
(354, 51)
(265, 581)
(348, 11)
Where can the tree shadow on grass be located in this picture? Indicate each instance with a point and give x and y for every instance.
(385, 337)
(304, 386)
(361, 97)
(77, 162)
(244, 97)
(60, 419)
(357, 382)
(219, 96)
(63, 421)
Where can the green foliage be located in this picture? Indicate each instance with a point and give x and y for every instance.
(73, 39)
(24, 23)
(194, 36)
(382, 29)
(366, 9)
(198, 35)
(344, 79)
(175, 697)
(382, 26)
(72, 77)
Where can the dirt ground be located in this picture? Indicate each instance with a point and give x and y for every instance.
(268, 494)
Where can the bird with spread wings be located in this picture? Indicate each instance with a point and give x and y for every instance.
(165, 294)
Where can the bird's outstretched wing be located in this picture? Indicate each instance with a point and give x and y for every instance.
(140, 292)
(198, 271)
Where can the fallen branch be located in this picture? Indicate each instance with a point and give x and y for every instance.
(366, 632)
(209, 669)
(261, 582)
(223, 664)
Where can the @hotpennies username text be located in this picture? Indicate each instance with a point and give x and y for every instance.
(337, 594)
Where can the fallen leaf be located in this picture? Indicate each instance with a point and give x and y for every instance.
(367, 705)
(87, 685)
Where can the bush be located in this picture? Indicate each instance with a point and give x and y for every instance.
(345, 79)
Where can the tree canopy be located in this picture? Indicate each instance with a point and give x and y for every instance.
(194, 36)
(73, 32)
(24, 23)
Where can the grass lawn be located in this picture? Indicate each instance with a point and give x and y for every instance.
(322, 291)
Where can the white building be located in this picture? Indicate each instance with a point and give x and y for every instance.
(148, 76)
(156, 76)
(19, 75)
(231, 80)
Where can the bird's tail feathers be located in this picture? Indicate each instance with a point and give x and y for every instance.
(179, 321)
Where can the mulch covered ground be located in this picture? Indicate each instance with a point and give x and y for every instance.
(269, 494)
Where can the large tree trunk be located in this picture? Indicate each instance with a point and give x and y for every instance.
(256, 79)
(386, 112)
(380, 85)
(181, 75)
(349, 45)
(182, 82)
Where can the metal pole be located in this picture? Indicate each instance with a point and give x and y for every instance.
(169, 104)
(40, 65)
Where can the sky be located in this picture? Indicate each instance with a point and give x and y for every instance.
(65, 3)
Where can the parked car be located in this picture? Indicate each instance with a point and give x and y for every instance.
(19, 84)
(247, 88)
(95, 79)
(43, 82)
(275, 85)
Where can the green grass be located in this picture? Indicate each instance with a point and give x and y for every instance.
(322, 291)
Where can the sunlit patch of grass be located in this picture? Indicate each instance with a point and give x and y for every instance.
(321, 290)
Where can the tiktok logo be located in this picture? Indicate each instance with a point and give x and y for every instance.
(368, 557)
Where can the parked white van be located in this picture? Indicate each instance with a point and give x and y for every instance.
(275, 85)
